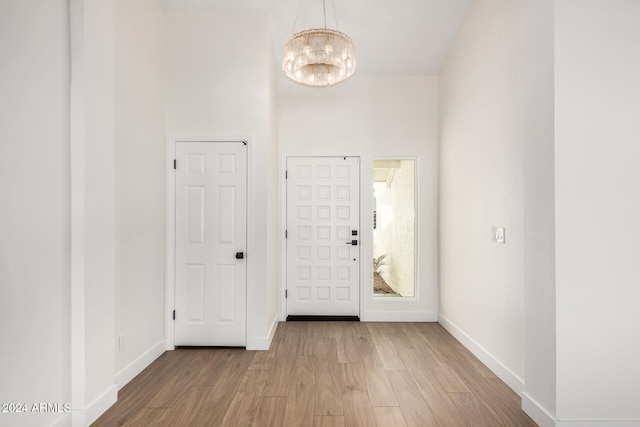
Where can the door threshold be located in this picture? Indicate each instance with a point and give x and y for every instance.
(307, 318)
(209, 347)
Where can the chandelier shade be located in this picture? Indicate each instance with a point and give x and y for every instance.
(319, 57)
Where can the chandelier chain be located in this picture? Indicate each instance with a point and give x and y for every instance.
(296, 20)
(335, 16)
(324, 10)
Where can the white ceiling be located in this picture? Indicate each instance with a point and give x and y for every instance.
(399, 37)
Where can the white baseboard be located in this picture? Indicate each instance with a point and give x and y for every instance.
(138, 365)
(502, 372)
(529, 406)
(100, 405)
(537, 412)
(263, 343)
(399, 316)
(599, 423)
(63, 421)
(544, 419)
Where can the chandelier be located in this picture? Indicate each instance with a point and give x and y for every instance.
(319, 57)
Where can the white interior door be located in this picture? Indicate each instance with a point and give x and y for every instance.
(323, 256)
(211, 215)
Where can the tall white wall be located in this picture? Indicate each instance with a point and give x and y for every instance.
(34, 218)
(568, 114)
(220, 83)
(375, 117)
(99, 197)
(274, 230)
(597, 209)
(481, 186)
(537, 53)
(92, 209)
(140, 176)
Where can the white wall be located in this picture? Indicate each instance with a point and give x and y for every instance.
(537, 52)
(220, 83)
(274, 229)
(93, 209)
(481, 186)
(597, 209)
(58, 261)
(34, 218)
(140, 178)
(375, 117)
(99, 197)
(568, 114)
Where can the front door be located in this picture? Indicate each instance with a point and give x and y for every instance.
(211, 215)
(323, 236)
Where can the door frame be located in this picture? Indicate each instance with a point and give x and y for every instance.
(170, 226)
(283, 251)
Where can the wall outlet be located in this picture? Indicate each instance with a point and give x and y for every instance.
(497, 234)
(121, 343)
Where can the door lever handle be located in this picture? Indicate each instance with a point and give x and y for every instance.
(239, 255)
(353, 242)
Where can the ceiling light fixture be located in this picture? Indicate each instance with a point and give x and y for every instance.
(319, 57)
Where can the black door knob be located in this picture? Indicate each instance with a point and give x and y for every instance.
(239, 255)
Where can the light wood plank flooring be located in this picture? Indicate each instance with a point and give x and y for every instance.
(323, 374)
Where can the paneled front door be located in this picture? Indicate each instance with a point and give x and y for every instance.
(322, 245)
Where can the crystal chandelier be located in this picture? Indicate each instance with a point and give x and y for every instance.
(319, 57)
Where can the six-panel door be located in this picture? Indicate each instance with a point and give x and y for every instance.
(211, 215)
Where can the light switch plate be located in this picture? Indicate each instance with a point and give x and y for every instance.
(497, 234)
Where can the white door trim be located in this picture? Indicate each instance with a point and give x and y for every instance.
(170, 229)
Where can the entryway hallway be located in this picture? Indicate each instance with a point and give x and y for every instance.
(323, 374)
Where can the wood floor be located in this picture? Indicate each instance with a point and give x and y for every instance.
(322, 374)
